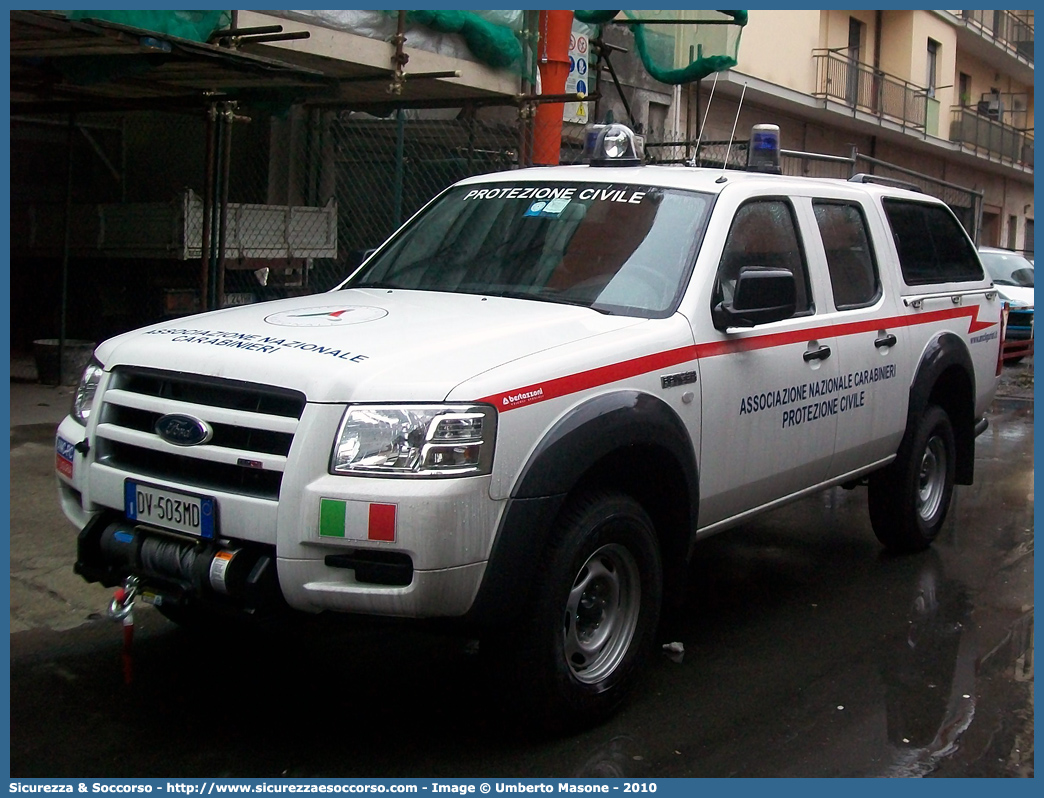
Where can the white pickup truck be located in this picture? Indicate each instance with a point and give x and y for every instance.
(525, 409)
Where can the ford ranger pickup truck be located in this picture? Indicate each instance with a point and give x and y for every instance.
(526, 408)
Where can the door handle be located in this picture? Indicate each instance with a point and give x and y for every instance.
(817, 354)
(887, 340)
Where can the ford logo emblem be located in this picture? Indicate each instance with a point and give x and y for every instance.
(182, 430)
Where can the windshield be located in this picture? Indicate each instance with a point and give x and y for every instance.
(1008, 268)
(624, 249)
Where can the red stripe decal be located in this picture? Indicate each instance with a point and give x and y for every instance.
(585, 380)
(572, 383)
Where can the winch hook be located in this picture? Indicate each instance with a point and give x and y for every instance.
(121, 608)
(123, 599)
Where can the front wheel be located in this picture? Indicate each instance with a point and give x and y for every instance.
(595, 611)
(909, 499)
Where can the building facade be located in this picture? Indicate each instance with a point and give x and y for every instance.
(945, 94)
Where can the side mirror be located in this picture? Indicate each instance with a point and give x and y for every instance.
(761, 295)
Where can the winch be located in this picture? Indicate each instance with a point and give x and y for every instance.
(171, 569)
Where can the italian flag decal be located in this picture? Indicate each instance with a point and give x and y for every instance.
(351, 520)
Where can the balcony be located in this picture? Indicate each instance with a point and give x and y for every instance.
(990, 137)
(1003, 28)
(872, 91)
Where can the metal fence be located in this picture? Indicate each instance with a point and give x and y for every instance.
(870, 90)
(380, 171)
(988, 136)
(711, 154)
(1004, 27)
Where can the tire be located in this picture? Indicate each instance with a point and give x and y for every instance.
(594, 614)
(909, 499)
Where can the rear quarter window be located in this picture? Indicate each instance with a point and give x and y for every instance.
(932, 245)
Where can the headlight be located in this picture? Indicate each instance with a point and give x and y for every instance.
(415, 440)
(84, 396)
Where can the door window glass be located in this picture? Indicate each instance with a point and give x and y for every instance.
(850, 259)
(763, 235)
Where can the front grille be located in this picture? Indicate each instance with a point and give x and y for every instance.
(193, 471)
(245, 396)
(253, 429)
(228, 436)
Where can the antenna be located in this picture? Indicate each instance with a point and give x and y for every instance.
(696, 153)
(725, 165)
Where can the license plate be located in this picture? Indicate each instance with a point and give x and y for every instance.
(170, 509)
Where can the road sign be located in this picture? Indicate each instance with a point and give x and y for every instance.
(577, 80)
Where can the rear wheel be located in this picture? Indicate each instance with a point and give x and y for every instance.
(909, 499)
(594, 614)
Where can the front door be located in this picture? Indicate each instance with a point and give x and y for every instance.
(769, 415)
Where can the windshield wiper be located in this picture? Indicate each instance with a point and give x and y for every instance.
(377, 284)
(556, 299)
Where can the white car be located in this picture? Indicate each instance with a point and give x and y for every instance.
(527, 407)
(1012, 273)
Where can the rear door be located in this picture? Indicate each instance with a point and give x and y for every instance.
(873, 350)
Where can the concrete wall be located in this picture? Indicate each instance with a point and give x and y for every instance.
(777, 46)
(897, 32)
(928, 26)
(833, 31)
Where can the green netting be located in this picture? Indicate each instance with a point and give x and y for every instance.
(493, 44)
(672, 54)
(194, 25)
(685, 52)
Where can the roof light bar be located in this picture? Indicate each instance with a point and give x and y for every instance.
(763, 155)
(611, 145)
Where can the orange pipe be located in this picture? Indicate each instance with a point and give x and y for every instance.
(555, 29)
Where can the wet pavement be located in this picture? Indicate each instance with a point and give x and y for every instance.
(806, 652)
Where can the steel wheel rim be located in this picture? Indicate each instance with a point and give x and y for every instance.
(932, 479)
(602, 613)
